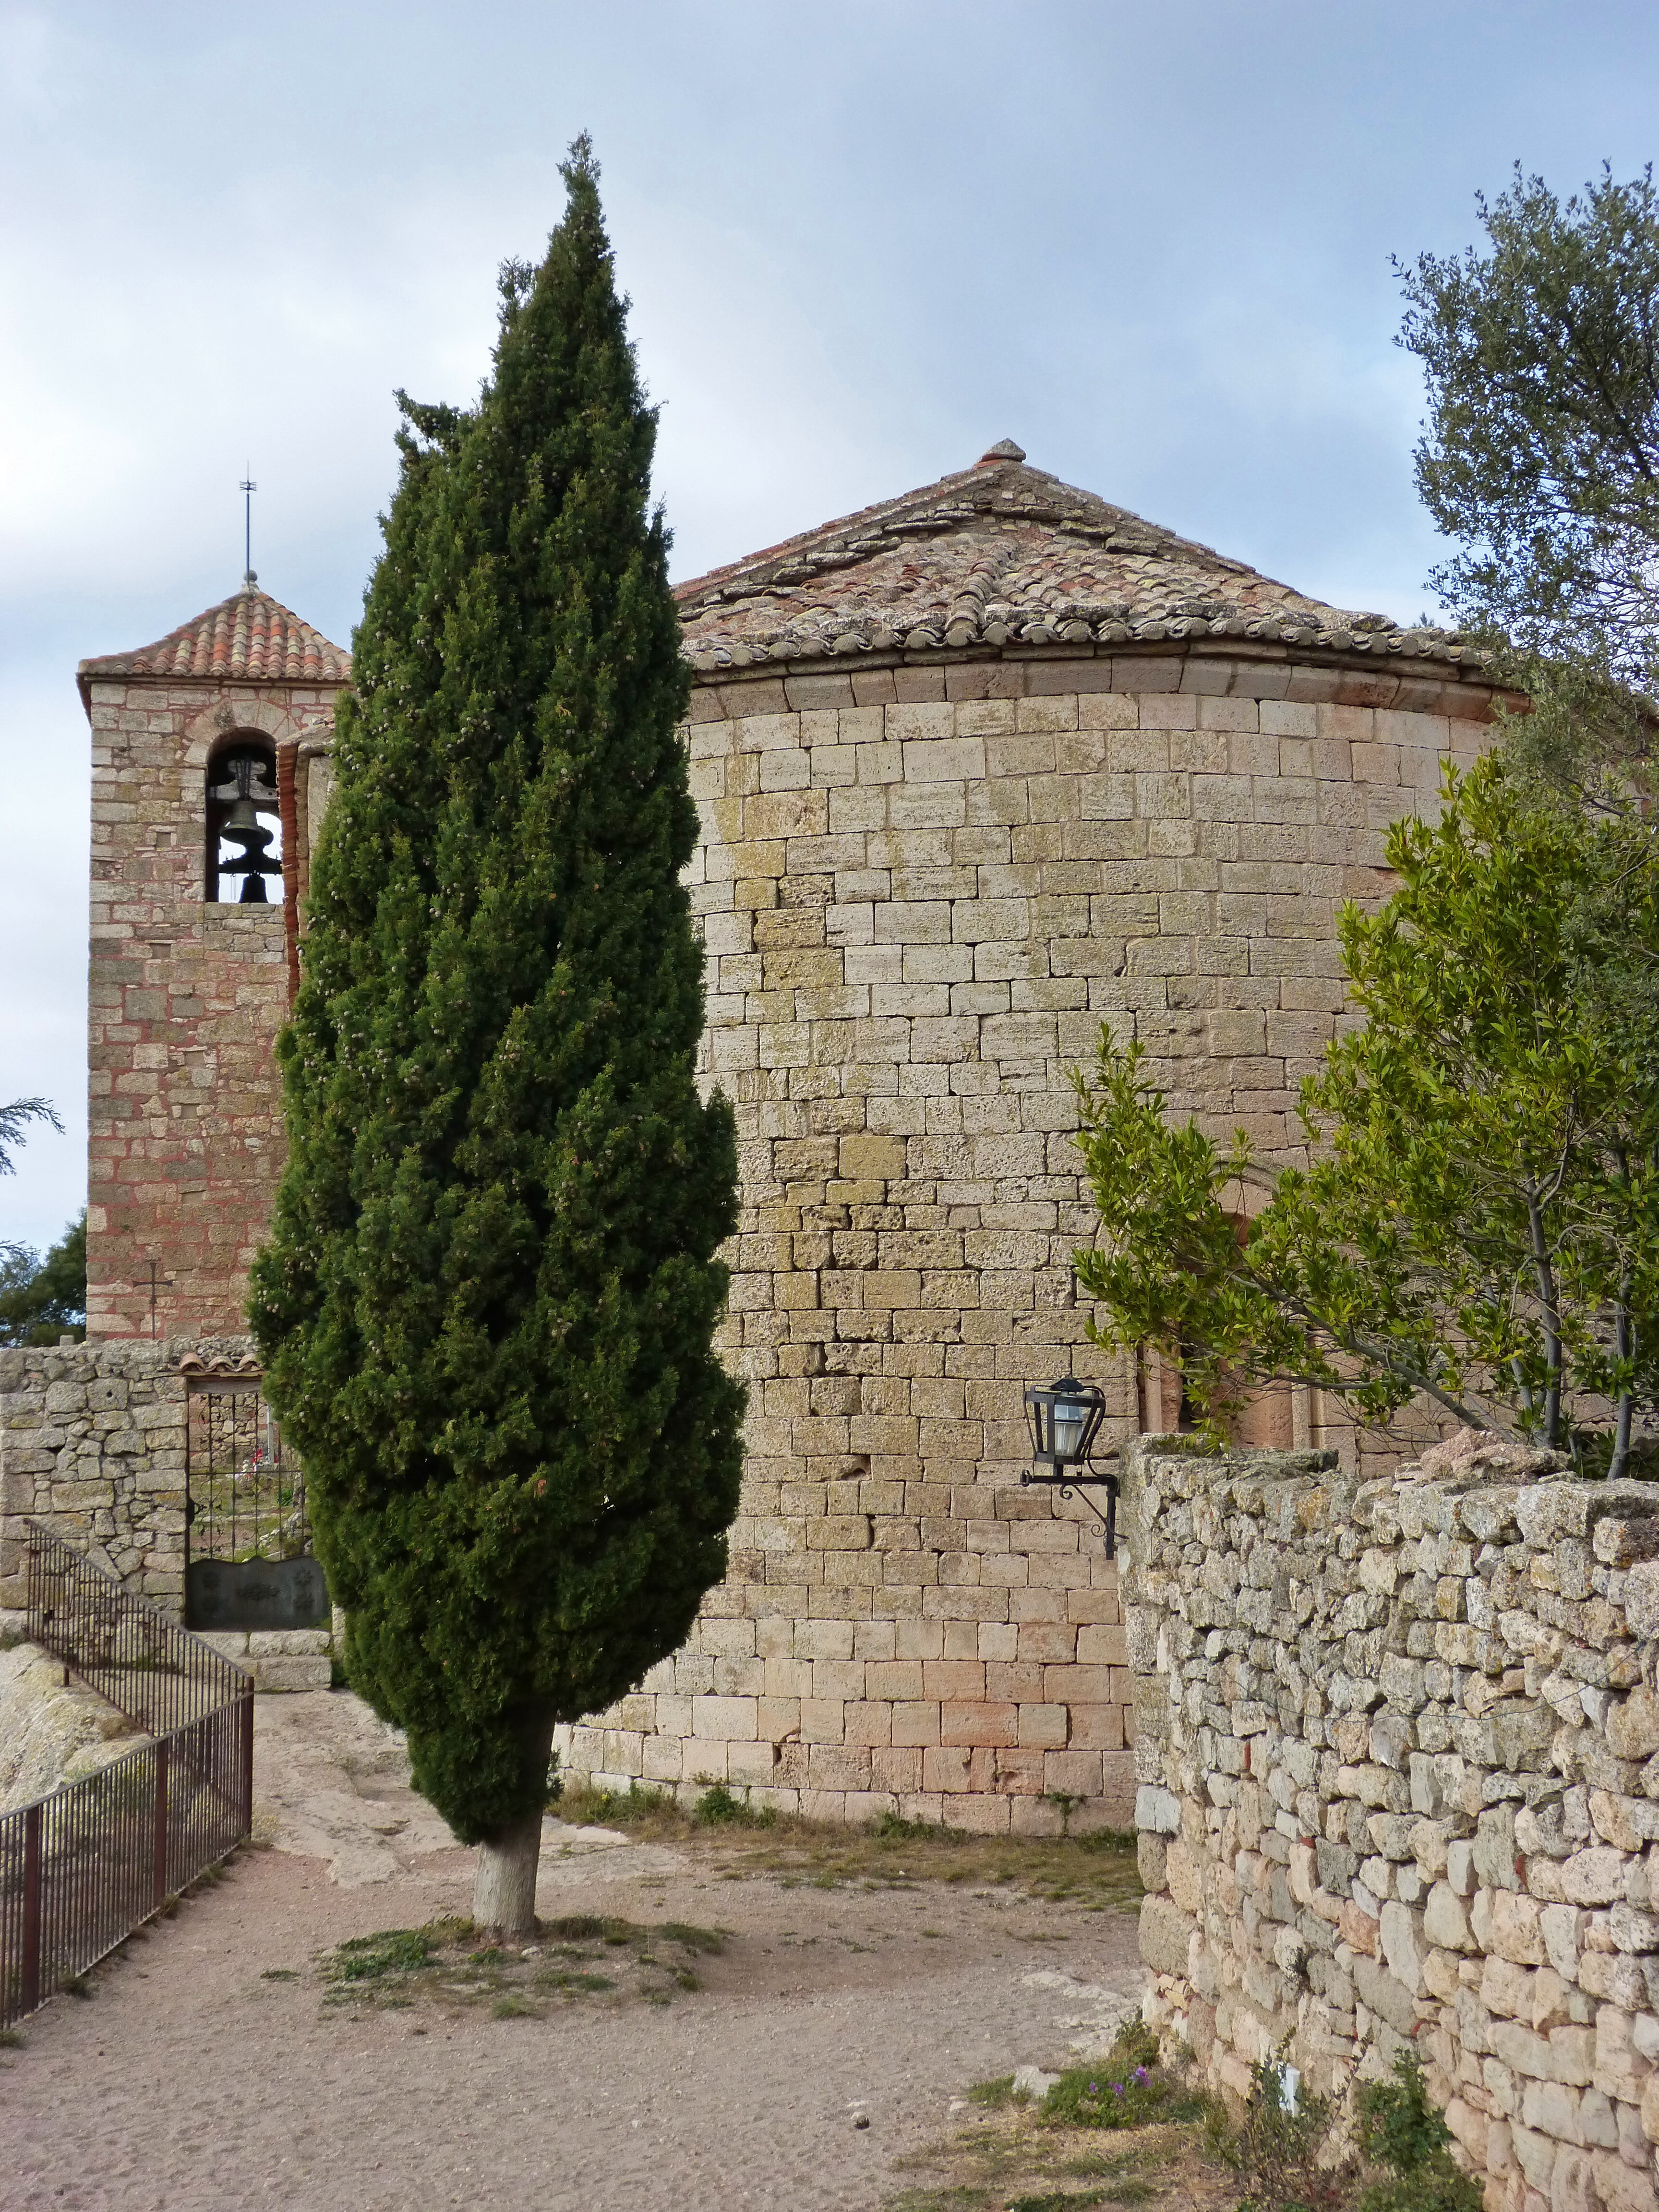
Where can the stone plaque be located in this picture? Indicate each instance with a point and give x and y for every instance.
(226, 1594)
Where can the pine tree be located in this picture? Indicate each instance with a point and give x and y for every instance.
(488, 1302)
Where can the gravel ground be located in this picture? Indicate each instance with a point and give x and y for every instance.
(193, 2077)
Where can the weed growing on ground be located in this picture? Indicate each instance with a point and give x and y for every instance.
(1096, 1870)
(11, 2039)
(718, 1808)
(691, 1938)
(1126, 2088)
(894, 1828)
(1176, 2150)
(964, 2197)
(993, 2094)
(1277, 2149)
(376, 1958)
(613, 1808)
(440, 1963)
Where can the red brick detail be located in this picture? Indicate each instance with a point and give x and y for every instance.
(289, 815)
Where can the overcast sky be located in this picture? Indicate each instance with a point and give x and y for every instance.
(863, 242)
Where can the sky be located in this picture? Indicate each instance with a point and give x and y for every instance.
(862, 244)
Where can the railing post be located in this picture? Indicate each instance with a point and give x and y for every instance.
(32, 1900)
(160, 1896)
(32, 1594)
(245, 1748)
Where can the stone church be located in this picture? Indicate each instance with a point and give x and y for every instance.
(980, 768)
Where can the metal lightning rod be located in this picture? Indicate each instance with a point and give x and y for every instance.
(248, 489)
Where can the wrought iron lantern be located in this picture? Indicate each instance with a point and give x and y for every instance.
(1065, 1419)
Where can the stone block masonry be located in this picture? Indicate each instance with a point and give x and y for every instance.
(922, 890)
(94, 1442)
(936, 854)
(1398, 1766)
(186, 997)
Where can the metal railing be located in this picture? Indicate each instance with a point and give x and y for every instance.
(79, 1870)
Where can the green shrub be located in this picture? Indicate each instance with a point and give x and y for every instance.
(718, 1808)
(1128, 2089)
(893, 1827)
(1401, 2131)
(1275, 2149)
(579, 1802)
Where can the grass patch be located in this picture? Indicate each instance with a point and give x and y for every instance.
(993, 2095)
(708, 1940)
(280, 1974)
(575, 1927)
(962, 2198)
(11, 2038)
(1096, 1870)
(442, 1965)
(394, 1951)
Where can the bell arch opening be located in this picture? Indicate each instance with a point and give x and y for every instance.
(244, 823)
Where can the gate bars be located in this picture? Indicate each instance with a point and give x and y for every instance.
(79, 1870)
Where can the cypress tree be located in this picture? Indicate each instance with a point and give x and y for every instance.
(487, 1306)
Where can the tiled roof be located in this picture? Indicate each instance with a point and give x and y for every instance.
(248, 638)
(1000, 555)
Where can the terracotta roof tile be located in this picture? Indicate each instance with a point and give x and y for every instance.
(1002, 554)
(248, 638)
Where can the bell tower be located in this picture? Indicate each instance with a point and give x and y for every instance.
(204, 746)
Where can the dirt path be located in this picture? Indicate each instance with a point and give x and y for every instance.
(194, 2080)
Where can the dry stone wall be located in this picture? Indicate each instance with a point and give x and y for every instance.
(922, 890)
(1398, 1784)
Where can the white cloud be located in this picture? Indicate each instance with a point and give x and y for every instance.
(860, 248)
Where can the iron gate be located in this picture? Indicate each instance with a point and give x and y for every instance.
(249, 1563)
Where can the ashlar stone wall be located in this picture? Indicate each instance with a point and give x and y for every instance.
(1398, 1785)
(922, 890)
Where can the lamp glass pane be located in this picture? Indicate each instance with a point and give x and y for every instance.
(1070, 1416)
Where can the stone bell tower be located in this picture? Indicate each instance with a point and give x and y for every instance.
(201, 753)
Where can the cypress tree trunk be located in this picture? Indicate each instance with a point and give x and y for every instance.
(488, 1302)
(504, 1883)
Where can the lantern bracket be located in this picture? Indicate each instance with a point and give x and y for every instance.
(1070, 1485)
(1065, 1419)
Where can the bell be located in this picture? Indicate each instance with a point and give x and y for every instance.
(243, 814)
(253, 891)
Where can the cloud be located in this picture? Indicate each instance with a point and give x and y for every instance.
(861, 245)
